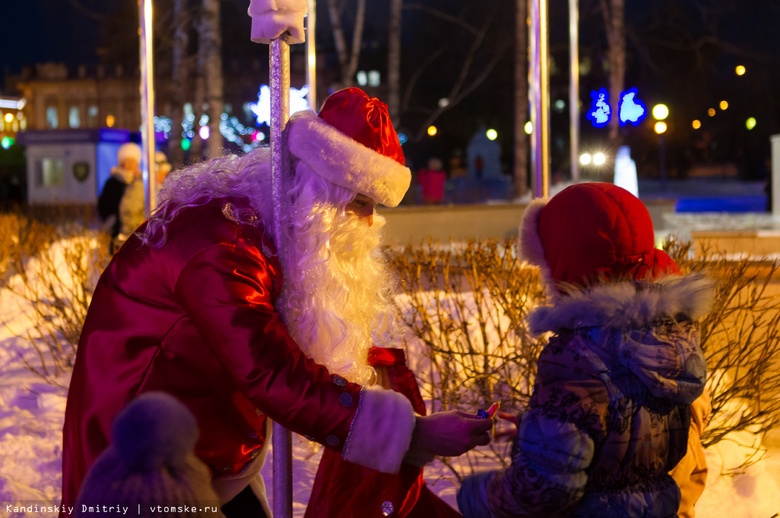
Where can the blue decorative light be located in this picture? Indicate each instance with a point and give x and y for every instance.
(600, 112)
(632, 110)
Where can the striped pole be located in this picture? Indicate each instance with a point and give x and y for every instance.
(279, 69)
(147, 103)
(539, 94)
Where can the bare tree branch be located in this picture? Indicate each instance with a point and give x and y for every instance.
(87, 12)
(444, 16)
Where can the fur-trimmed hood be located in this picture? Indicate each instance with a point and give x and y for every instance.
(647, 329)
(626, 304)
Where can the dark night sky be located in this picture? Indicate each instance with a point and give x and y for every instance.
(37, 31)
(48, 30)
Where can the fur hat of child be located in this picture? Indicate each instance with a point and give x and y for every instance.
(351, 143)
(150, 465)
(590, 233)
(129, 150)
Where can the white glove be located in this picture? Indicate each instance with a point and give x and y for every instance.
(272, 18)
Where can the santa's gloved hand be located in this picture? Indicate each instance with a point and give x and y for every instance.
(272, 18)
(472, 495)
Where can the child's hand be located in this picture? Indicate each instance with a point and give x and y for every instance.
(509, 428)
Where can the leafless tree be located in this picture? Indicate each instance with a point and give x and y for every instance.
(180, 74)
(473, 68)
(394, 60)
(613, 12)
(210, 52)
(348, 57)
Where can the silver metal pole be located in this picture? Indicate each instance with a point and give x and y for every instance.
(311, 52)
(574, 90)
(147, 104)
(539, 97)
(279, 69)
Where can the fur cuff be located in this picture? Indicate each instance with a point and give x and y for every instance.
(381, 432)
(346, 162)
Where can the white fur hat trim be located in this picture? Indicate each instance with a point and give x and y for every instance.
(346, 162)
(530, 247)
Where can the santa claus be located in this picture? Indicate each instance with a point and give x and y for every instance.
(205, 303)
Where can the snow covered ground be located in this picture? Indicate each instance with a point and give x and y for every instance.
(31, 415)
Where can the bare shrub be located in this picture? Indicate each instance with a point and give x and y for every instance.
(467, 305)
(741, 340)
(53, 271)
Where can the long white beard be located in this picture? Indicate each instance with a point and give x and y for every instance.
(336, 298)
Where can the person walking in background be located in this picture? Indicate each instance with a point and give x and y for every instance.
(610, 412)
(201, 304)
(432, 180)
(161, 167)
(131, 210)
(127, 170)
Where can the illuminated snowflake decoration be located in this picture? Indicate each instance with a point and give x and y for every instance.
(600, 112)
(262, 108)
(632, 109)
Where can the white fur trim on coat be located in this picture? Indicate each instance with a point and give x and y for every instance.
(344, 161)
(530, 248)
(381, 432)
(626, 304)
(272, 18)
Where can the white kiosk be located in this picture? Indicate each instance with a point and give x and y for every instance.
(69, 167)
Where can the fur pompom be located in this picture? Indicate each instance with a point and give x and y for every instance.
(153, 431)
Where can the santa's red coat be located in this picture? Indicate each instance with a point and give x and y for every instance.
(196, 318)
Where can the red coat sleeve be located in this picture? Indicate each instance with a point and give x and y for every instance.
(227, 291)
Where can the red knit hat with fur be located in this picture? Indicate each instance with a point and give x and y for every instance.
(591, 232)
(352, 143)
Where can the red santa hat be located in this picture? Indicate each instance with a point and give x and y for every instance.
(352, 143)
(591, 232)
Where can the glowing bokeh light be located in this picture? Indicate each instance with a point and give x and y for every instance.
(402, 138)
(724, 105)
(186, 144)
(204, 132)
(9, 117)
(432, 131)
(696, 124)
(711, 112)
(491, 134)
(528, 127)
(599, 158)
(444, 102)
(740, 70)
(110, 121)
(660, 112)
(586, 159)
(751, 123)
(660, 127)
(6, 142)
